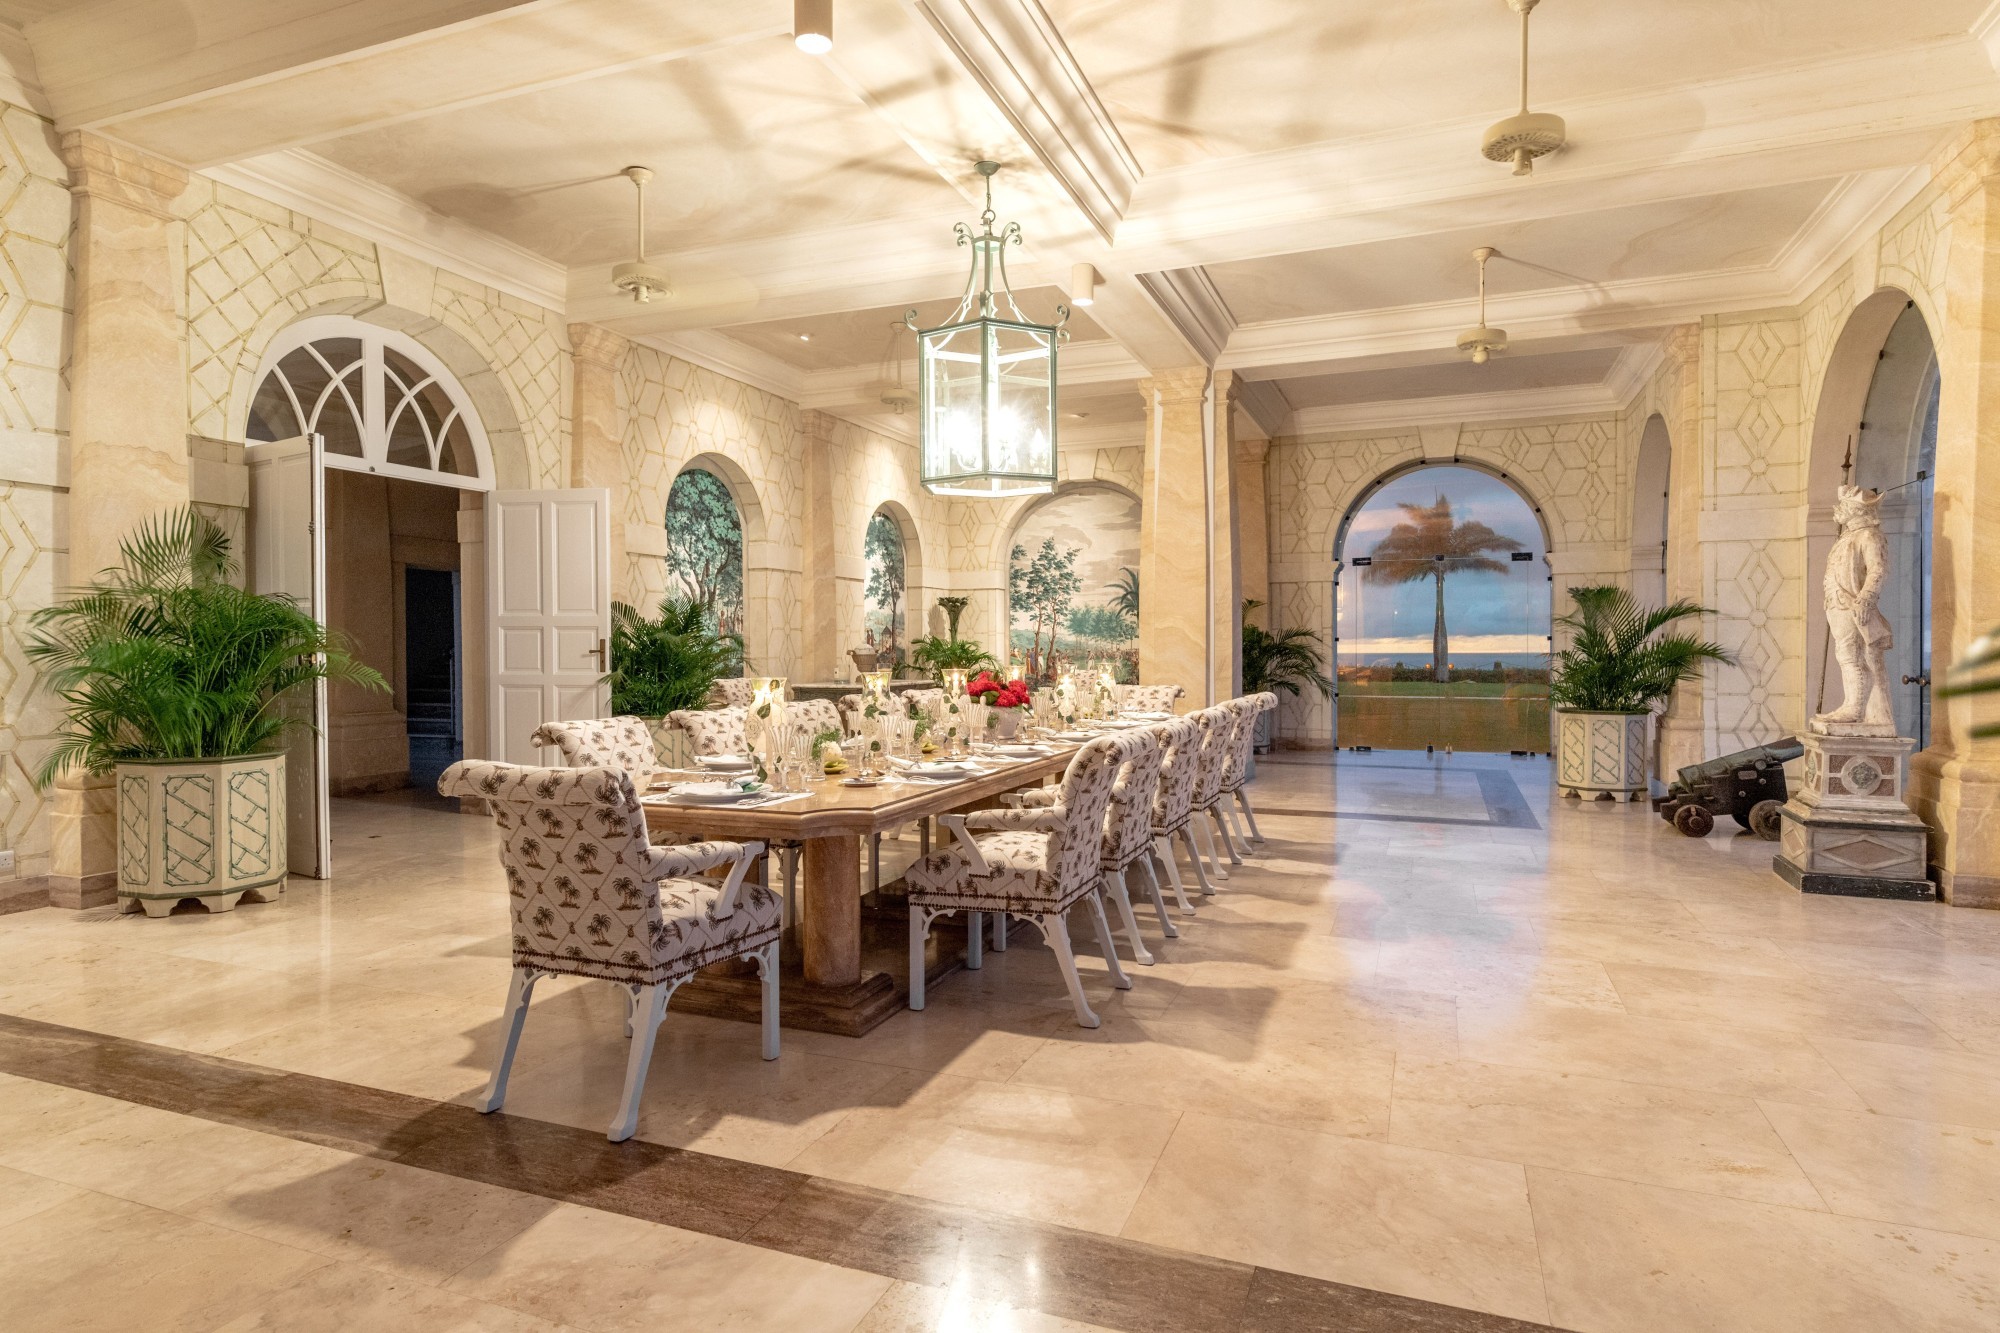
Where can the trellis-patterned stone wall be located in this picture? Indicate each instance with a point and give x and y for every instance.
(870, 470)
(34, 308)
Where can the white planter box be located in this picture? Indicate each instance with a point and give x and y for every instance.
(1603, 752)
(212, 829)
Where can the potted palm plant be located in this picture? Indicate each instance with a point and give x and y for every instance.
(1621, 665)
(179, 683)
(664, 663)
(935, 654)
(1284, 660)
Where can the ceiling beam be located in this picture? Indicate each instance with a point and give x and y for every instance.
(242, 94)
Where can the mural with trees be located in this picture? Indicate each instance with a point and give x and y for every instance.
(1073, 581)
(885, 596)
(705, 546)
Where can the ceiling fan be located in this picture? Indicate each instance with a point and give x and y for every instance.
(1526, 135)
(643, 280)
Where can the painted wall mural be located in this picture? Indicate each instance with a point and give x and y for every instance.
(1073, 582)
(885, 596)
(705, 546)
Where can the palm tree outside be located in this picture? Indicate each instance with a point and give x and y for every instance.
(1430, 544)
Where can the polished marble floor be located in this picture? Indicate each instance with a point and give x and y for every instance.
(1445, 1037)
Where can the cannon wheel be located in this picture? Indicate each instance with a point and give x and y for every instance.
(1694, 820)
(1765, 820)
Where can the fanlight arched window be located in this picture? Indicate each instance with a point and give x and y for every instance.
(380, 401)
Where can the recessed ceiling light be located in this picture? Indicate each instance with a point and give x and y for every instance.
(812, 26)
(805, 337)
(1083, 280)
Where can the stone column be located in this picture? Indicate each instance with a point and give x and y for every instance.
(1225, 561)
(1955, 784)
(1253, 535)
(1178, 586)
(1681, 728)
(128, 421)
(597, 439)
(822, 653)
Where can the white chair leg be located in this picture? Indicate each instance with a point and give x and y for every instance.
(1194, 859)
(1056, 931)
(630, 1004)
(1101, 928)
(1167, 926)
(1206, 837)
(1219, 812)
(1000, 921)
(767, 974)
(520, 986)
(1115, 884)
(789, 858)
(975, 940)
(651, 1003)
(920, 929)
(1163, 852)
(1249, 815)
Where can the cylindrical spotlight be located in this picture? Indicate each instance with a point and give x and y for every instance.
(812, 26)
(1083, 284)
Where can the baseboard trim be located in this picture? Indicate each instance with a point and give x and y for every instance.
(74, 893)
(24, 895)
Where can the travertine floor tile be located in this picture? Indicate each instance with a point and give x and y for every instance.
(1437, 1226)
(1946, 1177)
(909, 1308)
(1846, 1007)
(348, 1298)
(1950, 1087)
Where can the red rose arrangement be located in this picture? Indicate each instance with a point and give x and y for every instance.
(997, 693)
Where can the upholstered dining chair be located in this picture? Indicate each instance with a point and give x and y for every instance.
(1218, 743)
(1173, 806)
(819, 714)
(592, 897)
(1035, 864)
(624, 743)
(1236, 774)
(1128, 832)
(714, 730)
(733, 692)
(1148, 698)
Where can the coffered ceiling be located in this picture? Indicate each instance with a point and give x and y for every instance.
(1286, 188)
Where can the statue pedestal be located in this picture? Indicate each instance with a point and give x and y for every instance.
(1846, 830)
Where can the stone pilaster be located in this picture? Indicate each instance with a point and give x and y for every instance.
(1175, 593)
(597, 437)
(1253, 534)
(128, 442)
(1225, 558)
(822, 655)
(1955, 783)
(1681, 729)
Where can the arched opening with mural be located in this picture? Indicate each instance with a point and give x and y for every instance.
(704, 559)
(1652, 483)
(1072, 582)
(1442, 614)
(892, 591)
(1876, 427)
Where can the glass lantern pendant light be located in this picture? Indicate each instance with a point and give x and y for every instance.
(987, 382)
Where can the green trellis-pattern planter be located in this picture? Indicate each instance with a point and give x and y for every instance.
(212, 829)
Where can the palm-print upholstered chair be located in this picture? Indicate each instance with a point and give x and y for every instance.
(1217, 744)
(819, 714)
(1173, 806)
(1035, 864)
(607, 742)
(1148, 698)
(1128, 832)
(1236, 774)
(713, 730)
(592, 897)
(733, 692)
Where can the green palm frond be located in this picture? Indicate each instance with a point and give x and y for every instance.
(670, 661)
(165, 658)
(1620, 659)
(1284, 660)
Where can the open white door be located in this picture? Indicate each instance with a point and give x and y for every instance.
(288, 556)
(548, 562)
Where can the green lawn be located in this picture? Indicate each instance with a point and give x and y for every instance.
(1458, 689)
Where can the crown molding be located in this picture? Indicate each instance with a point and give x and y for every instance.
(1189, 300)
(309, 184)
(1635, 365)
(1263, 402)
(1013, 52)
(19, 83)
(718, 352)
(1570, 400)
(1986, 31)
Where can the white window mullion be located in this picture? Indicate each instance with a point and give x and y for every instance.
(374, 432)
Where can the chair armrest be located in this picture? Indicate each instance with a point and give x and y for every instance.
(975, 860)
(1038, 798)
(668, 862)
(1048, 819)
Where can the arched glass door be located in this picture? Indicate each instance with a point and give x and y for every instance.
(1442, 615)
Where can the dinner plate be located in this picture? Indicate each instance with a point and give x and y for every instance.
(1149, 717)
(947, 769)
(1018, 751)
(715, 793)
(725, 763)
(1072, 736)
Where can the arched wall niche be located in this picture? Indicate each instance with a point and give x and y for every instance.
(916, 594)
(505, 439)
(1021, 521)
(760, 572)
(1652, 480)
(1879, 391)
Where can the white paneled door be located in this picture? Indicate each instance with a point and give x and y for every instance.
(287, 556)
(548, 559)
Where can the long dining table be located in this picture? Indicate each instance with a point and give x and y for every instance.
(825, 986)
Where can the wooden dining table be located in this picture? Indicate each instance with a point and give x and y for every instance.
(825, 987)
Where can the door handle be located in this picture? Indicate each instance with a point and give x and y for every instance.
(1916, 680)
(599, 653)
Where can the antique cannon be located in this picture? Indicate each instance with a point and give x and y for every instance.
(1748, 786)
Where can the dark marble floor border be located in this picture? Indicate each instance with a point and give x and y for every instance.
(1073, 1274)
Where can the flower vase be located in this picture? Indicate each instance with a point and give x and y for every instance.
(1006, 723)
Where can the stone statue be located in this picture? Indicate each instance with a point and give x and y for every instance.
(1855, 571)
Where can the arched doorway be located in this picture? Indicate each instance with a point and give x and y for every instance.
(1651, 484)
(1442, 614)
(1072, 584)
(705, 546)
(1877, 427)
